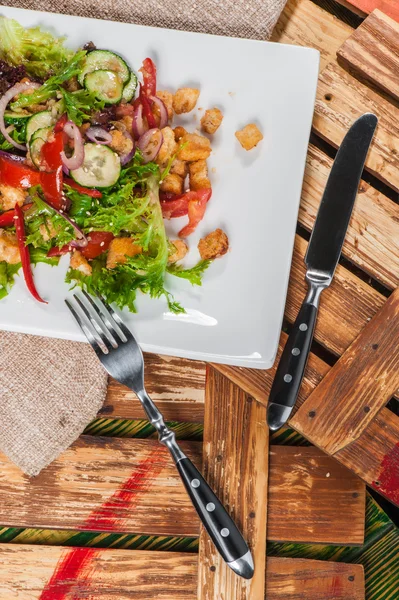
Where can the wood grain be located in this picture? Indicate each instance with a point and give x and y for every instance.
(177, 386)
(71, 493)
(303, 23)
(372, 51)
(364, 7)
(236, 453)
(139, 574)
(340, 100)
(372, 239)
(357, 386)
(304, 484)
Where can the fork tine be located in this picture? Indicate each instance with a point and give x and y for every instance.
(105, 319)
(90, 338)
(98, 329)
(111, 314)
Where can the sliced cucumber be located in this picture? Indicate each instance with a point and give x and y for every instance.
(106, 85)
(130, 88)
(38, 121)
(101, 167)
(14, 118)
(104, 60)
(37, 141)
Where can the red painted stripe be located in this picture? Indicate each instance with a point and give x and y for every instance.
(75, 568)
(388, 479)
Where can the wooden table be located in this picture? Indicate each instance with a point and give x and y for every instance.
(121, 494)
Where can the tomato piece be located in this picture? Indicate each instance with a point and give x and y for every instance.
(197, 201)
(17, 174)
(52, 187)
(149, 72)
(59, 126)
(99, 242)
(173, 205)
(82, 190)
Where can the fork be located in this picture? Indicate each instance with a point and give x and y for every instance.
(122, 358)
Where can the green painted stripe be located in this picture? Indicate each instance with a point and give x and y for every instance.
(127, 428)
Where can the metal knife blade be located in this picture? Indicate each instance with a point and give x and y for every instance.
(336, 205)
(321, 259)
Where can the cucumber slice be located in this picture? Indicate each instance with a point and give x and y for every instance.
(106, 85)
(38, 121)
(104, 60)
(37, 141)
(130, 88)
(101, 167)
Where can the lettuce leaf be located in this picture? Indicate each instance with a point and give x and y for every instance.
(41, 53)
(79, 105)
(193, 275)
(7, 274)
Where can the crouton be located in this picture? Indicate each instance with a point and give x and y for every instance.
(211, 120)
(167, 99)
(79, 263)
(180, 252)
(179, 132)
(198, 175)
(119, 249)
(179, 167)
(195, 147)
(48, 230)
(9, 250)
(10, 196)
(249, 136)
(120, 143)
(168, 147)
(127, 121)
(184, 100)
(72, 85)
(173, 184)
(213, 245)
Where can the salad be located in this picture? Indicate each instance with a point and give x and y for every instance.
(90, 166)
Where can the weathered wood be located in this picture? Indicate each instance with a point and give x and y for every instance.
(314, 580)
(236, 453)
(372, 52)
(372, 239)
(364, 7)
(137, 574)
(177, 385)
(131, 486)
(304, 23)
(357, 387)
(305, 481)
(340, 100)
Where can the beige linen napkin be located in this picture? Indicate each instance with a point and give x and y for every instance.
(50, 389)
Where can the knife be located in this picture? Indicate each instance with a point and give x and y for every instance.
(321, 259)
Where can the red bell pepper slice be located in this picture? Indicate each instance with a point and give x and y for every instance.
(81, 189)
(24, 252)
(52, 180)
(149, 72)
(99, 242)
(8, 218)
(147, 112)
(197, 201)
(17, 174)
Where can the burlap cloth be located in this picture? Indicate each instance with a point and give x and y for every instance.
(50, 389)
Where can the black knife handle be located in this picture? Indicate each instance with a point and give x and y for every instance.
(219, 525)
(291, 368)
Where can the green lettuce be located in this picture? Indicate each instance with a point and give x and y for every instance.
(79, 105)
(41, 53)
(7, 274)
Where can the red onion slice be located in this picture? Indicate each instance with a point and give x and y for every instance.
(98, 135)
(77, 158)
(150, 143)
(125, 158)
(138, 122)
(162, 110)
(81, 240)
(6, 98)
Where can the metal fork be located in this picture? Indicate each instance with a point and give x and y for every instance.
(122, 358)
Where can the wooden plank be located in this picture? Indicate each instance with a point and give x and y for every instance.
(298, 579)
(364, 7)
(128, 486)
(372, 52)
(357, 387)
(102, 574)
(340, 100)
(177, 385)
(372, 240)
(236, 452)
(305, 482)
(304, 23)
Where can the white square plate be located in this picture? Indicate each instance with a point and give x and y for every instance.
(236, 316)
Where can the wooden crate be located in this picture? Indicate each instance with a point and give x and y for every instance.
(110, 490)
